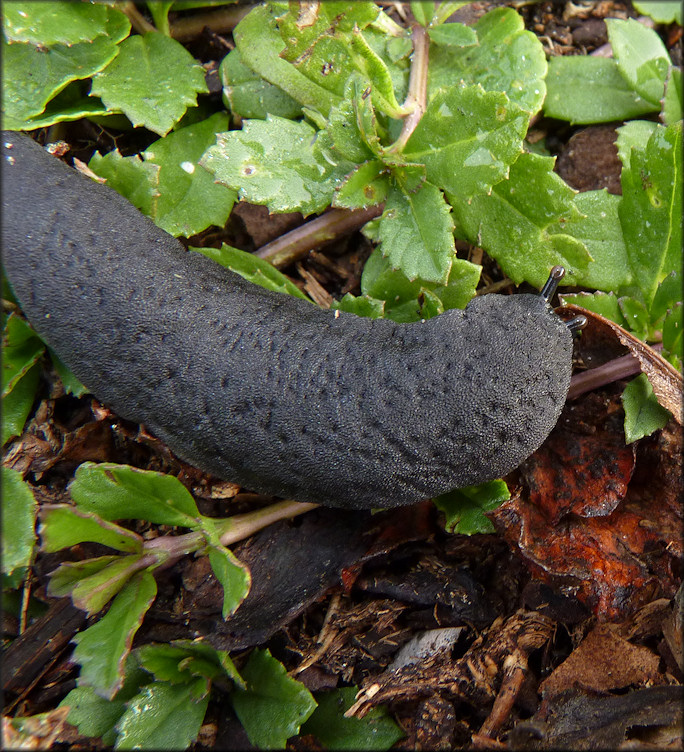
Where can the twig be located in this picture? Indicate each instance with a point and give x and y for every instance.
(325, 636)
(512, 682)
(298, 242)
(138, 21)
(25, 599)
(501, 284)
(219, 21)
(614, 370)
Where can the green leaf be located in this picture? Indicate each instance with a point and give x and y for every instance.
(189, 199)
(326, 44)
(63, 109)
(663, 12)
(119, 492)
(163, 716)
(398, 48)
(152, 81)
(363, 305)
(636, 315)
(651, 208)
(65, 578)
(64, 526)
(446, 9)
(22, 348)
(65, 23)
(515, 222)
(672, 105)
(673, 345)
(668, 294)
(416, 232)
(302, 30)
(134, 179)
(273, 706)
(220, 658)
(369, 130)
(177, 666)
(96, 716)
(278, 163)
(453, 35)
(18, 522)
(643, 414)
(93, 715)
(71, 384)
(352, 125)
(251, 267)
(584, 89)
(467, 139)
(181, 660)
(25, 96)
(93, 593)
(383, 284)
(375, 731)
(432, 305)
(259, 42)
(374, 69)
(465, 508)
(423, 11)
(233, 575)
(507, 59)
(634, 134)
(641, 56)
(605, 304)
(21, 351)
(247, 94)
(162, 661)
(102, 649)
(461, 284)
(599, 229)
(17, 405)
(367, 185)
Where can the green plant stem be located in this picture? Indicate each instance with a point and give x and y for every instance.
(159, 16)
(298, 242)
(243, 525)
(446, 9)
(138, 21)
(416, 99)
(168, 549)
(219, 21)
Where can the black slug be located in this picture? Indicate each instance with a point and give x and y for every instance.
(264, 389)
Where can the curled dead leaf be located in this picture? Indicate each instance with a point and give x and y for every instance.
(603, 338)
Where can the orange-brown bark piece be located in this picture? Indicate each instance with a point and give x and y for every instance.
(596, 522)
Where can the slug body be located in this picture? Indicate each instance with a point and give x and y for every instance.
(264, 389)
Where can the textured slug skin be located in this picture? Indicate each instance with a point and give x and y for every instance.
(261, 388)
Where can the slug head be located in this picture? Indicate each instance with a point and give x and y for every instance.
(511, 367)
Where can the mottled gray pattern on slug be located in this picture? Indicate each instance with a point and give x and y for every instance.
(264, 389)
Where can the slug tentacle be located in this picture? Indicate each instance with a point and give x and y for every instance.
(551, 285)
(576, 323)
(264, 389)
